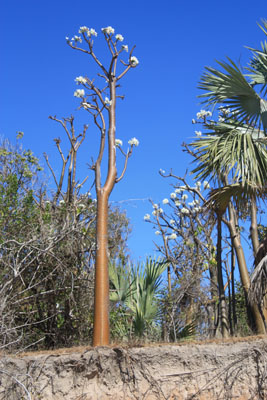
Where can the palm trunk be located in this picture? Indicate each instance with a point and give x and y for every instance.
(222, 302)
(254, 226)
(255, 240)
(244, 275)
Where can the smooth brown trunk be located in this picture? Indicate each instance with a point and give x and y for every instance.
(101, 307)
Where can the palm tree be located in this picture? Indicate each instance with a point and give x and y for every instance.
(237, 146)
(138, 290)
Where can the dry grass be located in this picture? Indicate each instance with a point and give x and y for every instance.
(82, 349)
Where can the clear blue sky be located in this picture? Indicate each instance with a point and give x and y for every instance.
(174, 41)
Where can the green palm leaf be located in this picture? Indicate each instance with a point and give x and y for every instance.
(229, 148)
(230, 87)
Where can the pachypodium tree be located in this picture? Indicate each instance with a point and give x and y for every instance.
(186, 229)
(100, 102)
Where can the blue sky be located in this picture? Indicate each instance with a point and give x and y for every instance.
(174, 41)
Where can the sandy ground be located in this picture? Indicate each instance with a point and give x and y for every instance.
(235, 368)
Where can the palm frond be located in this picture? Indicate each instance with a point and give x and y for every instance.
(230, 87)
(232, 149)
(219, 198)
(123, 283)
(258, 287)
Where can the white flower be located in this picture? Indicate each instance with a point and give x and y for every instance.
(172, 236)
(206, 185)
(67, 38)
(80, 79)
(119, 38)
(154, 212)
(184, 211)
(107, 101)
(198, 184)
(173, 195)
(134, 61)
(198, 133)
(177, 203)
(92, 32)
(191, 204)
(86, 105)
(165, 201)
(109, 30)
(133, 142)
(221, 119)
(178, 191)
(203, 114)
(196, 201)
(83, 29)
(184, 197)
(160, 210)
(172, 222)
(77, 39)
(125, 47)
(162, 171)
(157, 233)
(147, 217)
(155, 206)
(194, 121)
(79, 93)
(62, 202)
(118, 143)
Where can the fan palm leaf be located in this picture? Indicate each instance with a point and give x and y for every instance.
(230, 87)
(232, 149)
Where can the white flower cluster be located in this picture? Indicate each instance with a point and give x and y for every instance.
(157, 233)
(79, 93)
(118, 142)
(133, 142)
(157, 211)
(198, 133)
(109, 30)
(83, 29)
(147, 217)
(89, 32)
(134, 61)
(125, 47)
(80, 79)
(77, 38)
(119, 37)
(86, 105)
(165, 201)
(173, 236)
(203, 113)
(107, 101)
(173, 195)
(185, 211)
(172, 222)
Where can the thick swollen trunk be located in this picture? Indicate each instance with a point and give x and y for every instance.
(101, 308)
(244, 275)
